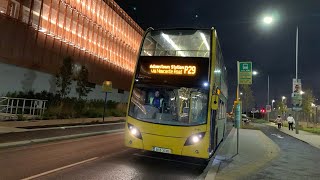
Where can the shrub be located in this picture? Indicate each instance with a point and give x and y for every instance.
(21, 117)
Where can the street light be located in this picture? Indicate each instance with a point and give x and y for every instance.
(302, 92)
(254, 73)
(273, 101)
(283, 98)
(268, 20)
(241, 93)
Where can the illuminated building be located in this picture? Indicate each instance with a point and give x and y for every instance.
(95, 33)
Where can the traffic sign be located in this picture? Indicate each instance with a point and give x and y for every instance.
(296, 95)
(296, 101)
(245, 72)
(268, 108)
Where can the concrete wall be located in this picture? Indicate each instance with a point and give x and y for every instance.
(14, 78)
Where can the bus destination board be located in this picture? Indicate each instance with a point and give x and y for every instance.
(183, 70)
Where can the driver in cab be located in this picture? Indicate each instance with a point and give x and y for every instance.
(156, 101)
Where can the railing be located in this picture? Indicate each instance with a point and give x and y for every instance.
(22, 106)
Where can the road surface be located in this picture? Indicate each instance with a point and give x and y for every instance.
(96, 157)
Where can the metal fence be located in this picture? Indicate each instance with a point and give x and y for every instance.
(22, 106)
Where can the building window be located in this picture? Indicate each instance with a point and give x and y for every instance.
(120, 91)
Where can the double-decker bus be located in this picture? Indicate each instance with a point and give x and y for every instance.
(178, 97)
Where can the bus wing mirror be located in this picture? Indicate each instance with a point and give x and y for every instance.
(214, 102)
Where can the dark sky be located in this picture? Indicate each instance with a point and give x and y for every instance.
(244, 37)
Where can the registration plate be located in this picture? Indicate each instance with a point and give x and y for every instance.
(162, 150)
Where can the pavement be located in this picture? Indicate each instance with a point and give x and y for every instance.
(297, 160)
(255, 151)
(310, 138)
(21, 126)
(41, 131)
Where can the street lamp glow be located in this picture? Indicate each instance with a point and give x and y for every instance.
(301, 92)
(273, 100)
(241, 93)
(313, 105)
(268, 20)
(283, 97)
(254, 73)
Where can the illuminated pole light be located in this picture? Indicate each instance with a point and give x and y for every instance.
(268, 20)
(254, 73)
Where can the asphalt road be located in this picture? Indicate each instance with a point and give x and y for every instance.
(97, 157)
(297, 159)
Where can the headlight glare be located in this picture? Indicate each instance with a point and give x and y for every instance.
(134, 131)
(194, 139)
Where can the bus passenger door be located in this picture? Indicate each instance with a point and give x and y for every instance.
(214, 108)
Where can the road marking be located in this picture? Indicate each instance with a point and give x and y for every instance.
(76, 126)
(59, 169)
(136, 154)
(277, 135)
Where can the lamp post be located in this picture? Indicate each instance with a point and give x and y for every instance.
(269, 20)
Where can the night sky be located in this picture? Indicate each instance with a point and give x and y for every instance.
(243, 36)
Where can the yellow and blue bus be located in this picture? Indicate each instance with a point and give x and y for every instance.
(178, 97)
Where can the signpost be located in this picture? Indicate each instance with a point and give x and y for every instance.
(106, 88)
(244, 77)
(237, 121)
(253, 111)
(268, 108)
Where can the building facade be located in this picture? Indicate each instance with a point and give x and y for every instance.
(39, 34)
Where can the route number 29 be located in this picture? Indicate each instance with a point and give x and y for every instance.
(190, 70)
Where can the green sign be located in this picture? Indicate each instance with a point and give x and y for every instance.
(245, 72)
(296, 101)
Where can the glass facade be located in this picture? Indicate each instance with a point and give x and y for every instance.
(100, 28)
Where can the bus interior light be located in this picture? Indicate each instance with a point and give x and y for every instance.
(204, 39)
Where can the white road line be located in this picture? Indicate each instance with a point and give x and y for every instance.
(59, 169)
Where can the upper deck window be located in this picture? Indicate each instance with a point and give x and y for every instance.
(183, 43)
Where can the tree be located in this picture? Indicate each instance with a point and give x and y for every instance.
(281, 107)
(64, 77)
(247, 97)
(82, 82)
(307, 101)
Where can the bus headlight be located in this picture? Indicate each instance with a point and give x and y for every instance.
(134, 131)
(194, 139)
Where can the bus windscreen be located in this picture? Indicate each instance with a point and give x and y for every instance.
(171, 90)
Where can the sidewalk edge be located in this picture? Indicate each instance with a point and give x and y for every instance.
(43, 140)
